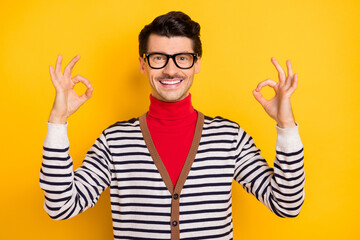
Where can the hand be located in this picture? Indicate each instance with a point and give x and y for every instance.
(279, 107)
(67, 101)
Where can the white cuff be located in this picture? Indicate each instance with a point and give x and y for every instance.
(288, 138)
(56, 136)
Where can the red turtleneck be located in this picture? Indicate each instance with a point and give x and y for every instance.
(172, 127)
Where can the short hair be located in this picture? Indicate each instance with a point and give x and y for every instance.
(172, 24)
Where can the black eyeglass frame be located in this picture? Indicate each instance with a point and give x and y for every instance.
(168, 56)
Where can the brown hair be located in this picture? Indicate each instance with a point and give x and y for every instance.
(172, 24)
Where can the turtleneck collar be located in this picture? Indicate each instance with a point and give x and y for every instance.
(170, 110)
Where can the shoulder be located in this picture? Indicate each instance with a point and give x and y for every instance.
(220, 130)
(217, 126)
(131, 125)
(219, 122)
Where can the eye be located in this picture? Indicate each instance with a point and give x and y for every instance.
(183, 58)
(157, 57)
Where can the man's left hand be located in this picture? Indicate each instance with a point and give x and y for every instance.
(279, 107)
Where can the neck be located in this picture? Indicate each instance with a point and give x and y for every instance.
(170, 110)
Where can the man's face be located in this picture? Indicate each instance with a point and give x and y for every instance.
(169, 84)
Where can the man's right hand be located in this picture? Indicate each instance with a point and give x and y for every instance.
(67, 101)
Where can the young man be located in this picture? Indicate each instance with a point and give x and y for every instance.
(170, 171)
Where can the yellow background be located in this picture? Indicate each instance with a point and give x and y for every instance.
(321, 37)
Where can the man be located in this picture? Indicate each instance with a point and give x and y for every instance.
(170, 171)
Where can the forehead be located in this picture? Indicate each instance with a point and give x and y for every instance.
(169, 45)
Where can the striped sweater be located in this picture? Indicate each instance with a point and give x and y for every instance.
(144, 203)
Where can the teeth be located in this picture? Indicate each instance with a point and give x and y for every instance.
(170, 82)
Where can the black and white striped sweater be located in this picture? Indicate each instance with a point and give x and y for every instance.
(144, 203)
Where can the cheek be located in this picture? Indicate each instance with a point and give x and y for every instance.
(190, 74)
(152, 75)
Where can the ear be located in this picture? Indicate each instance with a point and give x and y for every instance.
(142, 65)
(197, 65)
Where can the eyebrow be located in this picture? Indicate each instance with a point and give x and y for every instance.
(170, 53)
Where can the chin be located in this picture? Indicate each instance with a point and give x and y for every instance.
(172, 97)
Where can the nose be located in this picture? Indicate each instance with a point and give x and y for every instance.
(170, 67)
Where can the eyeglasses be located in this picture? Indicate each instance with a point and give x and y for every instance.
(181, 60)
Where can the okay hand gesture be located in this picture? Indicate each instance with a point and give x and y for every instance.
(67, 101)
(279, 107)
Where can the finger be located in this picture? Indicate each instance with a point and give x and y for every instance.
(84, 97)
(87, 94)
(58, 67)
(79, 78)
(70, 66)
(281, 72)
(267, 82)
(294, 83)
(289, 78)
(259, 97)
(289, 68)
(52, 75)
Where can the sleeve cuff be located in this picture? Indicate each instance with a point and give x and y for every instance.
(288, 138)
(56, 136)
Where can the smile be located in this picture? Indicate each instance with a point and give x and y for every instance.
(165, 82)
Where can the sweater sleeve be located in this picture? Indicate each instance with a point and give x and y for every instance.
(68, 192)
(281, 188)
